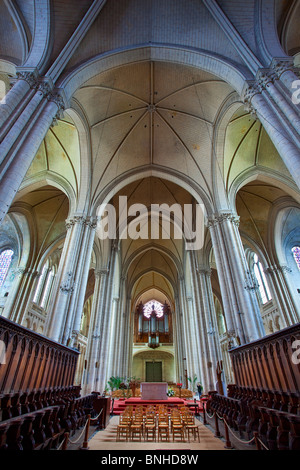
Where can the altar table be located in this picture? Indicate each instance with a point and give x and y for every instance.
(154, 390)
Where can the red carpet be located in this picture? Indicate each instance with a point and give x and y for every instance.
(120, 405)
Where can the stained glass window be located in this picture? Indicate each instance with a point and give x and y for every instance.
(153, 305)
(296, 253)
(5, 260)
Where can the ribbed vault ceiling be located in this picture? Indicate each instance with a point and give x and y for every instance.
(152, 113)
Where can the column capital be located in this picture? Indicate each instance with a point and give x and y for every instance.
(277, 269)
(223, 217)
(91, 222)
(44, 87)
(101, 272)
(30, 76)
(76, 219)
(251, 283)
(22, 271)
(67, 286)
(57, 96)
(201, 270)
(266, 76)
(251, 88)
(285, 269)
(281, 65)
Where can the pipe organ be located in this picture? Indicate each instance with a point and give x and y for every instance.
(153, 321)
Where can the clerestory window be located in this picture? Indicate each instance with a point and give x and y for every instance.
(5, 262)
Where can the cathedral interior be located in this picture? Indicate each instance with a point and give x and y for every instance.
(179, 104)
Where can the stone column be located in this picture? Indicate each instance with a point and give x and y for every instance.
(180, 353)
(185, 333)
(16, 159)
(81, 278)
(19, 298)
(282, 140)
(121, 364)
(127, 351)
(243, 319)
(105, 325)
(95, 334)
(201, 354)
(16, 98)
(283, 106)
(286, 73)
(209, 326)
(72, 275)
(278, 277)
(113, 338)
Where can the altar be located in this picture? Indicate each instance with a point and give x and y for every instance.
(154, 390)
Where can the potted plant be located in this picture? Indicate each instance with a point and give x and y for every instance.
(123, 387)
(170, 392)
(114, 383)
(193, 382)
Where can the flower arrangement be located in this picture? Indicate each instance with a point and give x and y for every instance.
(179, 385)
(123, 386)
(133, 384)
(170, 392)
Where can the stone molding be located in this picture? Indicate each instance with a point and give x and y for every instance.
(87, 221)
(67, 286)
(220, 218)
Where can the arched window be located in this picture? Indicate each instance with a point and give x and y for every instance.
(47, 288)
(39, 287)
(264, 290)
(5, 261)
(296, 254)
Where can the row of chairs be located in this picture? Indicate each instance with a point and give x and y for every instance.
(157, 422)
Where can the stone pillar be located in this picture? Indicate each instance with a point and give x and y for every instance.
(81, 278)
(15, 99)
(95, 334)
(288, 309)
(113, 338)
(209, 325)
(286, 73)
(185, 333)
(283, 106)
(243, 319)
(201, 354)
(127, 351)
(16, 159)
(121, 361)
(180, 353)
(72, 278)
(19, 298)
(281, 138)
(105, 326)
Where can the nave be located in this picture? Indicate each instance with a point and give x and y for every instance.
(177, 123)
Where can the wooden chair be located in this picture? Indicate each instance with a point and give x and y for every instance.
(149, 431)
(193, 429)
(123, 430)
(136, 429)
(163, 430)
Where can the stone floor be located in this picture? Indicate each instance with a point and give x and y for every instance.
(103, 440)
